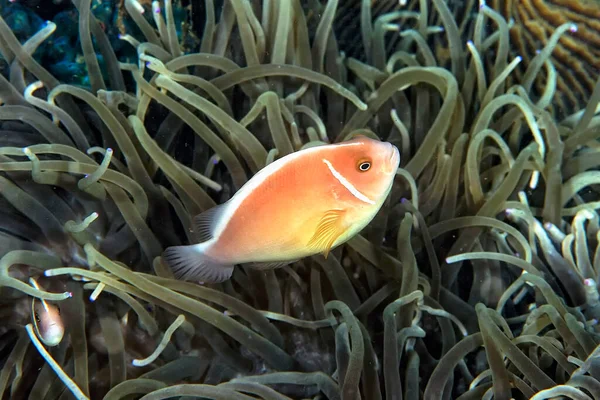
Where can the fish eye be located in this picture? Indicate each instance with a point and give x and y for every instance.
(364, 165)
(37, 317)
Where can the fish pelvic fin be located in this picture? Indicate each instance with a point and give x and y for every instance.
(190, 263)
(330, 228)
(205, 224)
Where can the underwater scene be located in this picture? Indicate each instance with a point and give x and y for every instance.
(299, 199)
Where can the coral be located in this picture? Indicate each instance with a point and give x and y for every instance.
(476, 280)
(576, 57)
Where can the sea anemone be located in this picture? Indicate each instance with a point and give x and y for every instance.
(575, 57)
(477, 279)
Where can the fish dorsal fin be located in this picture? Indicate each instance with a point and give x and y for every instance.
(263, 266)
(205, 223)
(330, 228)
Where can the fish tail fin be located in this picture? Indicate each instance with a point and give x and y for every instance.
(191, 263)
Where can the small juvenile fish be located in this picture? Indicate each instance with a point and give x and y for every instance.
(47, 322)
(305, 203)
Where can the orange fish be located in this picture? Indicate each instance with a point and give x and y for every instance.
(305, 203)
(47, 321)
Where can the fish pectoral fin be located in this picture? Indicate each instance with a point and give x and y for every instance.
(330, 228)
(189, 263)
(262, 266)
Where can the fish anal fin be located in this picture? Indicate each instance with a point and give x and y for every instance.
(330, 228)
(204, 224)
(189, 263)
(263, 266)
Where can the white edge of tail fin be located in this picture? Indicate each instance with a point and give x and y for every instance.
(190, 263)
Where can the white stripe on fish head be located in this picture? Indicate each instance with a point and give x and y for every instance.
(345, 183)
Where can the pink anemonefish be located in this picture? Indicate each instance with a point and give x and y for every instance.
(47, 322)
(305, 203)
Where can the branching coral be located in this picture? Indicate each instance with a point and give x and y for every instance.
(476, 280)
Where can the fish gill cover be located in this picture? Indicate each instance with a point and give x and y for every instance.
(120, 121)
